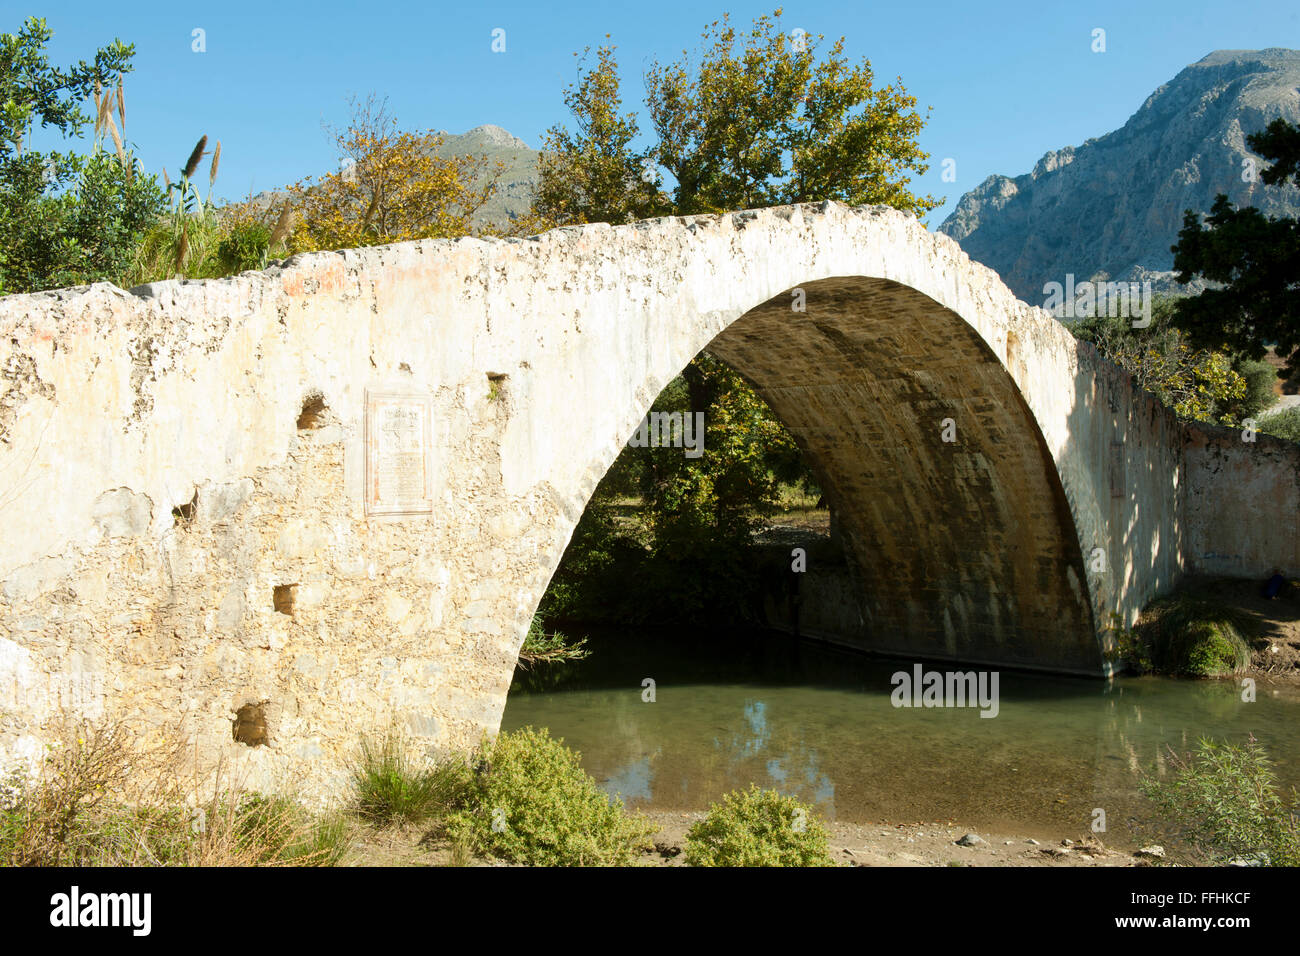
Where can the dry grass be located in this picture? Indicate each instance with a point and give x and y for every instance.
(104, 796)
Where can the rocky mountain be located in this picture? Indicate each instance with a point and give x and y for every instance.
(518, 182)
(1111, 208)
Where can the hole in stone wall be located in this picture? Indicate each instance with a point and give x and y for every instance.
(313, 412)
(184, 514)
(250, 725)
(496, 385)
(283, 596)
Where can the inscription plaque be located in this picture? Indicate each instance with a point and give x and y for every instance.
(399, 477)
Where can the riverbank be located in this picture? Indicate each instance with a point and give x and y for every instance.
(1274, 622)
(851, 844)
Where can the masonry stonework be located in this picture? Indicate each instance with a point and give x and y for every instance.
(184, 469)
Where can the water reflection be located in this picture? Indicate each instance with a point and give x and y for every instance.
(818, 723)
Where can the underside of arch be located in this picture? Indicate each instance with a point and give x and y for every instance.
(964, 549)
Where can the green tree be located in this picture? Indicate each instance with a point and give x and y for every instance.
(65, 218)
(761, 119)
(1254, 259)
(1205, 385)
(594, 174)
(766, 121)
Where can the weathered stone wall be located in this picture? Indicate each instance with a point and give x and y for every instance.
(1242, 502)
(182, 469)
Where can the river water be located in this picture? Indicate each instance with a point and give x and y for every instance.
(818, 722)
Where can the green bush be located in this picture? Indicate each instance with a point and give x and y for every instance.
(1283, 424)
(1196, 637)
(1211, 649)
(1260, 378)
(244, 247)
(758, 828)
(1224, 801)
(534, 804)
(391, 788)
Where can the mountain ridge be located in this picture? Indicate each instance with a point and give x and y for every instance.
(1183, 145)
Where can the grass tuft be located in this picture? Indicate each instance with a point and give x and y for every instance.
(1197, 637)
(391, 788)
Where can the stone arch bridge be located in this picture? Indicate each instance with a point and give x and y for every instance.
(308, 501)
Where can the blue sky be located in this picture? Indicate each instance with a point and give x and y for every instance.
(1006, 81)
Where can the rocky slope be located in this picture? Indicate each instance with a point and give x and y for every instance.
(1112, 207)
(518, 182)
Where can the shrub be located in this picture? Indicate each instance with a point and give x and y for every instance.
(758, 828)
(541, 647)
(1211, 649)
(1225, 801)
(1197, 637)
(1128, 649)
(245, 246)
(1260, 378)
(51, 821)
(390, 788)
(1283, 424)
(534, 804)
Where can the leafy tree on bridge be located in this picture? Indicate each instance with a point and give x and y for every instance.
(762, 119)
(391, 187)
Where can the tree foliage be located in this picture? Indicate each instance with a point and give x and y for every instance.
(66, 218)
(761, 118)
(1200, 384)
(390, 187)
(1254, 260)
(594, 174)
